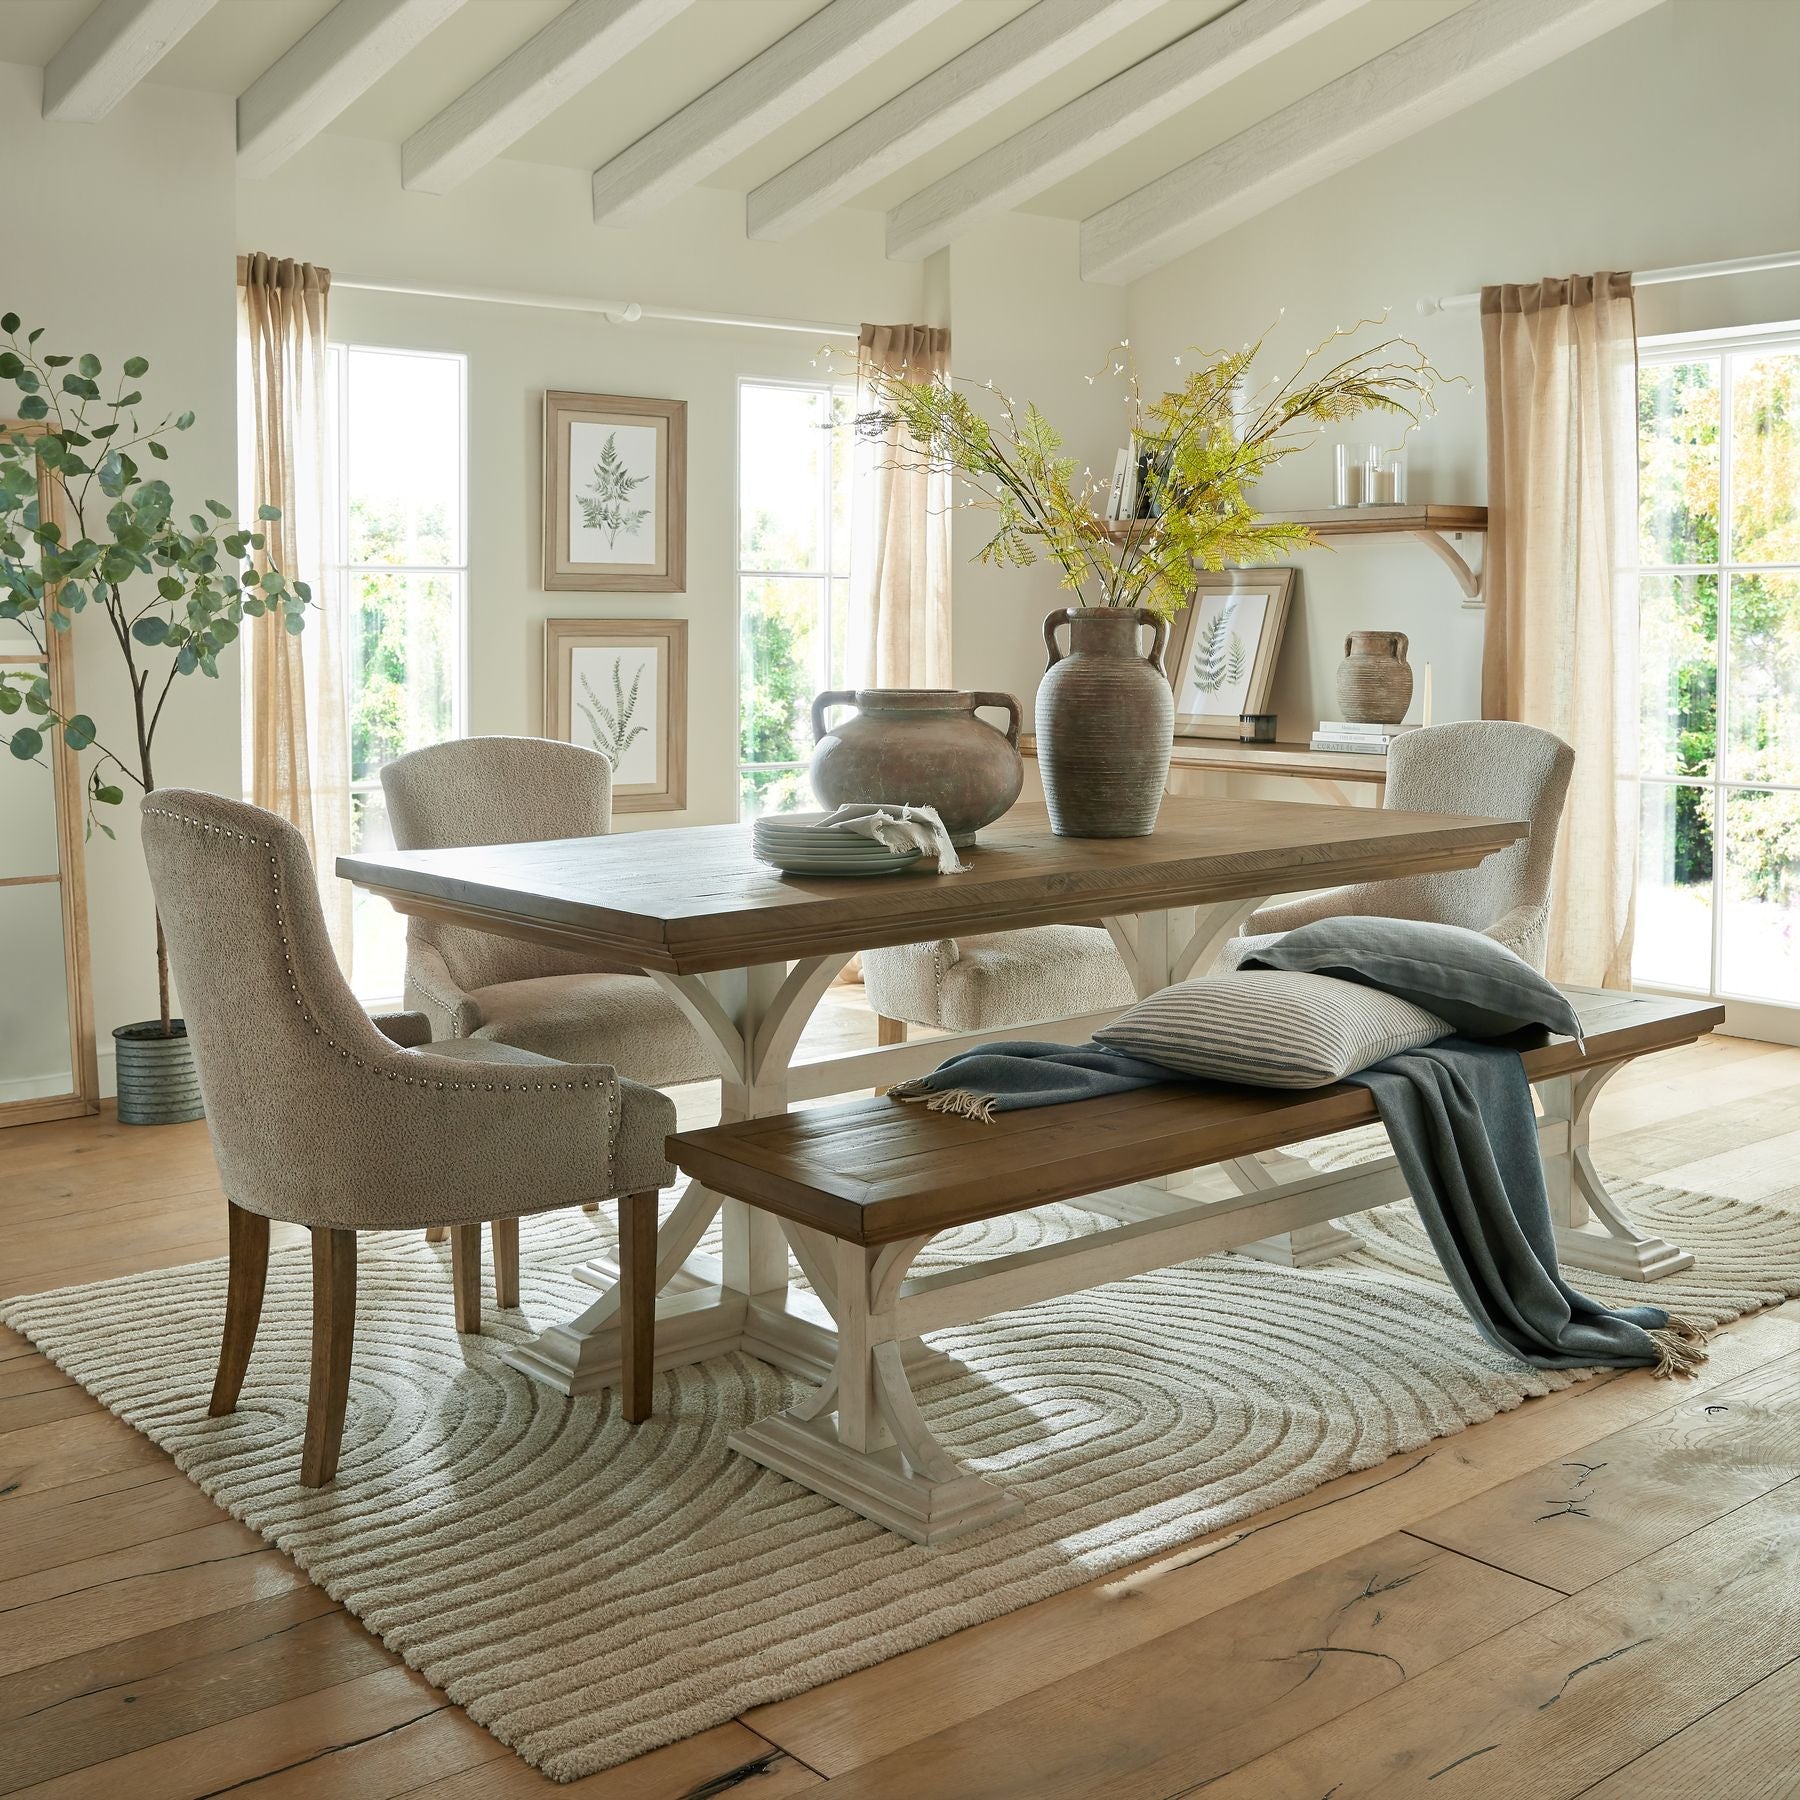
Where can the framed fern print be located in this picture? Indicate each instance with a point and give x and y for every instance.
(615, 494)
(619, 686)
(1225, 646)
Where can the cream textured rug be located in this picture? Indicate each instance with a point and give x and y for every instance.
(589, 1592)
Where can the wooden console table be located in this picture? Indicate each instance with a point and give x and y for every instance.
(1327, 773)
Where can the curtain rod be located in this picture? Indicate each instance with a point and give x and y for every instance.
(615, 312)
(1744, 265)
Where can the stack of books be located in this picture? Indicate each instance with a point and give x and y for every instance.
(1366, 740)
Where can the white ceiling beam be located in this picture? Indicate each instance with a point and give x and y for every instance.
(1026, 50)
(837, 42)
(1103, 120)
(1466, 57)
(573, 51)
(336, 63)
(114, 48)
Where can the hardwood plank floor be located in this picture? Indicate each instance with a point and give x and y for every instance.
(1420, 1627)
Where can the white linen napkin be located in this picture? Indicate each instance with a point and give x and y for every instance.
(899, 828)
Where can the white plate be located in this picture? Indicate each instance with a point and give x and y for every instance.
(801, 865)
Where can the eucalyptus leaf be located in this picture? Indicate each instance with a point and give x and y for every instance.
(109, 796)
(78, 732)
(26, 743)
(136, 366)
(152, 629)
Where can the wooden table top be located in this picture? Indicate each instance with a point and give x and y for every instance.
(872, 1171)
(695, 898)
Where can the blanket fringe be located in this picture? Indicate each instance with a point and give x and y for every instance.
(964, 1103)
(1680, 1348)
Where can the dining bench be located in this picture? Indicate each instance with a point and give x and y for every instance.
(862, 1187)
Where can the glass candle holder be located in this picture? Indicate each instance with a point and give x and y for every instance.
(1344, 488)
(1371, 486)
(1396, 477)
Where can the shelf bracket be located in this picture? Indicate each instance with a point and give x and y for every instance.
(1453, 559)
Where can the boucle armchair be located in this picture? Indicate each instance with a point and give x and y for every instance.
(474, 984)
(1490, 767)
(319, 1118)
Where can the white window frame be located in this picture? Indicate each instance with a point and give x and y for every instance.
(823, 576)
(1749, 1015)
(347, 575)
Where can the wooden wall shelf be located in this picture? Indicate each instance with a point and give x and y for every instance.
(1433, 525)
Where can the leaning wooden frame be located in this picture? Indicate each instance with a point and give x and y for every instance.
(1217, 675)
(861, 1190)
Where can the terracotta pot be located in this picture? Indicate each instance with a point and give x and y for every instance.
(1374, 681)
(919, 747)
(1105, 723)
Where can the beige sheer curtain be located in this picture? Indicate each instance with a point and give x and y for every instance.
(900, 536)
(1561, 651)
(297, 747)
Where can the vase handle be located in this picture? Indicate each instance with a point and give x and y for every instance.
(1051, 622)
(832, 697)
(1159, 641)
(1011, 705)
(1400, 645)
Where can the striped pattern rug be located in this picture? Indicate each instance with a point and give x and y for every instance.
(588, 1591)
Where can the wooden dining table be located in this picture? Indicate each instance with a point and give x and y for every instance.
(747, 953)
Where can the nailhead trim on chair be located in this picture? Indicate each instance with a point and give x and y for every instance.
(454, 1087)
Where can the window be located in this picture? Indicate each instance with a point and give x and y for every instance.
(1718, 908)
(399, 548)
(794, 461)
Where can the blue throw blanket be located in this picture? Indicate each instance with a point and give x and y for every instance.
(1460, 1118)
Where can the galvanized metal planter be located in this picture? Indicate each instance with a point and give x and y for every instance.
(158, 1083)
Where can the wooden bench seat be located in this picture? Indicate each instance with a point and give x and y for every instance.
(862, 1187)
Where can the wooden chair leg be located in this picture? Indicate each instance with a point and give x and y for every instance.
(590, 1206)
(637, 1303)
(333, 1330)
(249, 1243)
(465, 1274)
(505, 1233)
(435, 1234)
(889, 1031)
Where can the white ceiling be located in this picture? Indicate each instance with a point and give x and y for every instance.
(239, 39)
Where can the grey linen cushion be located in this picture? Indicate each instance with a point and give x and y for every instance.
(1270, 1028)
(1481, 987)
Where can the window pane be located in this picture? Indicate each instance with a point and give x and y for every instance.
(781, 466)
(404, 668)
(1760, 955)
(780, 643)
(378, 933)
(403, 442)
(1678, 462)
(1674, 895)
(1764, 703)
(774, 791)
(843, 452)
(840, 636)
(1678, 621)
(1765, 456)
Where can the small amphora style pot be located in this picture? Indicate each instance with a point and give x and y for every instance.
(1374, 681)
(1105, 722)
(919, 747)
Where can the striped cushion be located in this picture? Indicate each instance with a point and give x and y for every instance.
(1270, 1028)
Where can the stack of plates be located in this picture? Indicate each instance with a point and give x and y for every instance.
(793, 842)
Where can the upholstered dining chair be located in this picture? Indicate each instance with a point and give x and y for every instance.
(477, 985)
(1486, 767)
(1492, 768)
(321, 1119)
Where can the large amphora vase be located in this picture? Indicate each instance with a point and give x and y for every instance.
(919, 747)
(1105, 722)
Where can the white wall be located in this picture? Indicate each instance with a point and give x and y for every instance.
(120, 238)
(1673, 140)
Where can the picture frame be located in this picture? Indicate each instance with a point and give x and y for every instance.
(610, 678)
(1225, 645)
(615, 494)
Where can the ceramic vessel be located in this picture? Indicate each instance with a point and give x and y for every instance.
(1105, 722)
(1374, 681)
(919, 747)
(158, 1083)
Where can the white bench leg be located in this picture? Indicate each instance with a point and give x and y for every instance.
(1302, 1249)
(1591, 1231)
(860, 1439)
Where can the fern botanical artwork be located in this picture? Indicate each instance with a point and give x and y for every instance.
(619, 686)
(1224, 647)
(615, 494)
